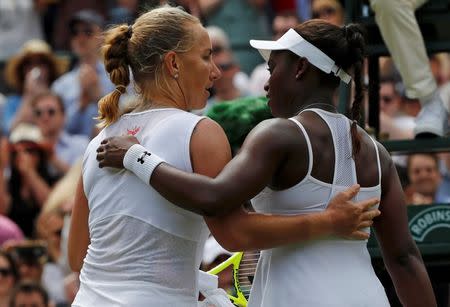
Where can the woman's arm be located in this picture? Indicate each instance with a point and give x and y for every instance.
(79, 229)
(238, 229)
(242, 178)
(400, 253)
(241, 230)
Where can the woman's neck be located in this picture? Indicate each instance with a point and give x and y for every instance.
(322, 100)
(158, 102)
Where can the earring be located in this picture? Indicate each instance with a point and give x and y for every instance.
(176, 76)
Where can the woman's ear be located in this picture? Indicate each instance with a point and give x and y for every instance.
(302, 66)
(170, 61)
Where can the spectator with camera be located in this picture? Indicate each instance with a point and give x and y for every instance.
(29, 72)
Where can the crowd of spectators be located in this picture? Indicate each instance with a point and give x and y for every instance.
(52, 76)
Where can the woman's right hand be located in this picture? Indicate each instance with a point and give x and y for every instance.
(348, 219)
(112, 150)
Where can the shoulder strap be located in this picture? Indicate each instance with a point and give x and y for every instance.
(308, 142)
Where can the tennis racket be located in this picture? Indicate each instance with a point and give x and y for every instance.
(244, 267)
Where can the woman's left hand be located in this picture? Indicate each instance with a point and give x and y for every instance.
(112, 150)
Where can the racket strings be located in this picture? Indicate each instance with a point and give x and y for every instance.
(246, 272)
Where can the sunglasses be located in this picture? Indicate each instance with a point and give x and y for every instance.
(40, 112)
(4, 272)
(323, 13)
(86, 31)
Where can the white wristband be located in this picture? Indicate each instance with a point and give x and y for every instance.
(141, 162)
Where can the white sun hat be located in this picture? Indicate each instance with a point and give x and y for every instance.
(294, 42)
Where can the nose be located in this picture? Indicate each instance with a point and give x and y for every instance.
(215, 73)
(266, 86)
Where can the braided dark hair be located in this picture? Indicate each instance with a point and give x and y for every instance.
(346, 46)
(356, 48)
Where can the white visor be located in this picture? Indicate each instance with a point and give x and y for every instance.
(293, 41)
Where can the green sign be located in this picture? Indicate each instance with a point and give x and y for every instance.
(425, 221)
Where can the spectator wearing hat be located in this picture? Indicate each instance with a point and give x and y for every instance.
(50, 117)
(30, 181)
(30, 71)
(84, 85)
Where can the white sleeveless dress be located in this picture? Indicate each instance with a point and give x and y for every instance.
(325, 273)
(144, 250)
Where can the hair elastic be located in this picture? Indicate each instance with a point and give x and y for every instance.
(130, 31)
(119, 87)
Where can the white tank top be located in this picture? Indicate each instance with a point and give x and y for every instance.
(144, 250)
(325, 273)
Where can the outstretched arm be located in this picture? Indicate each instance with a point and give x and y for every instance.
(242, 230)
(242, 178)
(400, 253)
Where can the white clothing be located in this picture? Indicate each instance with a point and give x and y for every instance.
(324, 273)
(144, 250)
(401, 33)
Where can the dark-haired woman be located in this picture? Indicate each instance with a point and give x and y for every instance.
(296, 162)
(30, 182)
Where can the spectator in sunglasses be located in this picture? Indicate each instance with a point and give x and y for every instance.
(31, 71)
(329, 10)
(50, 117)
(84, 85)
(8, 277)
(233, 82)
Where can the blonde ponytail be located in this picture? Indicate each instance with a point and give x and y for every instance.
(115, 54)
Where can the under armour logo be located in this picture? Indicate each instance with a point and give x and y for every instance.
(141, 158)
